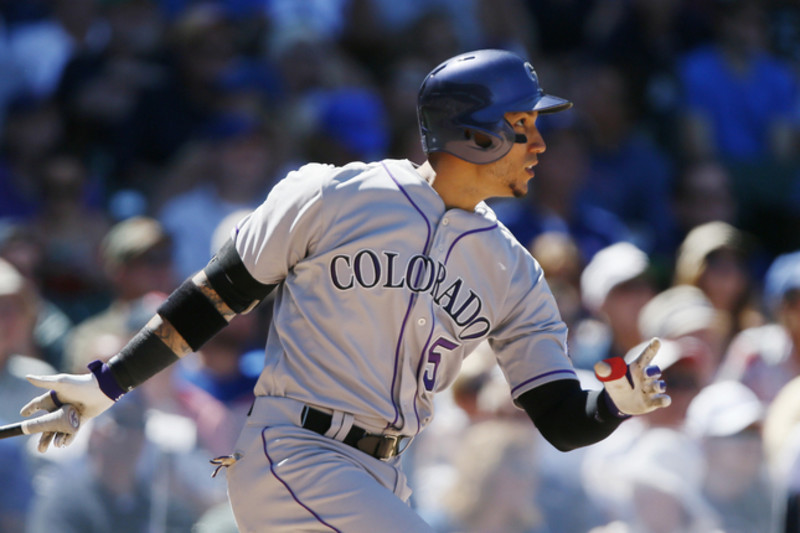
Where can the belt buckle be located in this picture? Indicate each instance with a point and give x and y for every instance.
(384, 446)
(387, 446)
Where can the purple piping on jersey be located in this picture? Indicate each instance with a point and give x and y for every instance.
(288, 488)
(464, 235)
(413, 297)
(540, 376)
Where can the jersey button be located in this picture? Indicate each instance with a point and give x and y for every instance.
(422, 321)
(445, 221)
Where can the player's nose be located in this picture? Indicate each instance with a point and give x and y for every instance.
(536, 142)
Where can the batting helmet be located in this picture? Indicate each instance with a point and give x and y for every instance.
(471, 93)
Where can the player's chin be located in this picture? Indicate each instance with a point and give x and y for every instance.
(520, 190)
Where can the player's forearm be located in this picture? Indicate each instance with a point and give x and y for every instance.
(187, 319)
(196, 311)
(568, 416)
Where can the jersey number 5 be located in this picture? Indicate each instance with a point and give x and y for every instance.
(434, 358)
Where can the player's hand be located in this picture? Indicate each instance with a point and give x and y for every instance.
(79, 390)
(636, 387)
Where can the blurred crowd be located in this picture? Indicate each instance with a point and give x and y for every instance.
(135, 133)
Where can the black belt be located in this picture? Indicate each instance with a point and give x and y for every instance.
(378, 446)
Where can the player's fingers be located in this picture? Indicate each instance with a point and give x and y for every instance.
(661, 400)
(45, 402)
(649, 352)
(655, 386)
(652, 371)
(44, 441)
(68, 438)
(61, 440)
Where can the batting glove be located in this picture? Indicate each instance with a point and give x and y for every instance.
(81, 391)
(636, 387)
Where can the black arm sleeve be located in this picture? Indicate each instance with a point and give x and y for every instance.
(568, 416)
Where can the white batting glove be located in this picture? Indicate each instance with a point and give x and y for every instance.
(81, 391)
(636, 387)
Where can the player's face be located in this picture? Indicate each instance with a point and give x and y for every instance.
(509, 176)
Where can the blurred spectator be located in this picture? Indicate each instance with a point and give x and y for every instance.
(11, 80)
(739, 100)
(347, 125)
(218, 519)
(17, 318)
(562, 263)
(20, 246)
(100, 86)
(726, 419)
(684, 311)
(16, 491)
(326, 20)
(561, 25)
(43, 47)
(715, 258)
(220, 367)
(704, 193)
(241, 163)
(201, 50)
(766, 357)
(453, 25)
(662, 485)
(615, 285)
(496, 482)
(106, 489)
(628, 174)
(137, 258)
(782, 447)
(644, 38)
(70, 231)
(33, 129)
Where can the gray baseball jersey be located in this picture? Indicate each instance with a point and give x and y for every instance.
(385, 292)
(382, 292)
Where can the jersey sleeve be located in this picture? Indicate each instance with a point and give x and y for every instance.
(284, 228)
(531, 341)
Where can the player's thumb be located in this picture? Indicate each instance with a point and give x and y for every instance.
(610, 369)
(45, 382)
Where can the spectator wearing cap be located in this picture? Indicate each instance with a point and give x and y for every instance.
(681, 312)
(714, 257)
(615, 285)
(137, 257)
(726, 419)
(765, 358)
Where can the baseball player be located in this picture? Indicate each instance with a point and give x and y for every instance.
(386, 276)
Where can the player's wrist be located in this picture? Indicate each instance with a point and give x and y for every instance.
(106, 380)
(608, 409)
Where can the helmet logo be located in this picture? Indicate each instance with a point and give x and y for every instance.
(532, 73)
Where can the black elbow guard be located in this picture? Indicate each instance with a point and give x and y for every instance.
(228, 276)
